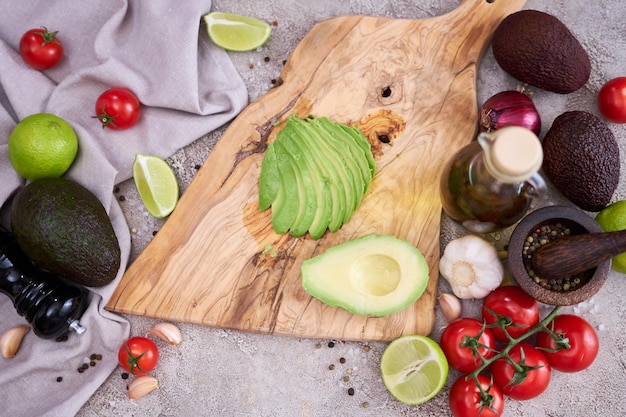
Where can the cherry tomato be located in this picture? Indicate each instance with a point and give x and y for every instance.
(118, 109)
(511, 382)
(612, 100)
(466, 401)
(456, 342)
(582, 340)
(40, 48)
(138, 355)
(512, 302)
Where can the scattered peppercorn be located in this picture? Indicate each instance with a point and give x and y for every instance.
(116, 190)
(121, 198)
(366, 348)
(366, 404)
(273, 80)
(331, 366)
(125, 375)
(197, 167)
(331, 344)
(250, 65)
(350, 391)
(274, 23)
(59, 378)
(342, 360)
(346, 378)
(92, 356)
(266, 59)
(318, 346)
(92, 363)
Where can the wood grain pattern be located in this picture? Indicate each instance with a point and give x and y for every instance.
(411, 83)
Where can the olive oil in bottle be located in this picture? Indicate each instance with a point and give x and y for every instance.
(489, 184)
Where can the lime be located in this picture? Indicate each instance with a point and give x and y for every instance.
(237, 33)
(414, 369)
(42, 145)
(611, 219)
(156, 183)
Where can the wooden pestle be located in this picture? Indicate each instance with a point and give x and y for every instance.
(571, 255)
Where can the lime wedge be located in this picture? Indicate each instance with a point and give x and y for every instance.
(156, 183)
(414, 369)
(237, 33)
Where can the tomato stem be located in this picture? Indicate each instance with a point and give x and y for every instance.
(504, 353)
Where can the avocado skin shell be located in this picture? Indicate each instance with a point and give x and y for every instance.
(62, 227)
(538, 49)
(581, 159)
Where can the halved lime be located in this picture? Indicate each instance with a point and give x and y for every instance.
(611, 219)
(237, 33)
(156, 183)
(414, 369)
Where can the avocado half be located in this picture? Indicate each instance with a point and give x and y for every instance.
(374, 275)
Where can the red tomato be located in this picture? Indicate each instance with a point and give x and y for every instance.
(118, 109)
(138, 355)
(512, 302)
(456, 342)
(40, 48)
(612, 100)
(466, 401)
(511, 382)
(582, 340)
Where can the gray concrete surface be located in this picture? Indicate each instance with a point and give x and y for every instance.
(222, 372)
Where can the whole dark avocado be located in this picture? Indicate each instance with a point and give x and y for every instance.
(581, 158)
(538, 49)
(62, 227)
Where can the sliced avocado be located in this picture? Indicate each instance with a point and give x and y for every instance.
(373, 275)
(319, 183)
(285, 206)
(332, 169)
(307, 197)
(268, 179)
(355, 156)
(62, 227)
(362, 141)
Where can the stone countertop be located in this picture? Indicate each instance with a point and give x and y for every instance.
(224, 372)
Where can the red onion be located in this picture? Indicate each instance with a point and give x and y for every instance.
(509, 108)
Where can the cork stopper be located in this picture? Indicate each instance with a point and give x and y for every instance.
(514, 154)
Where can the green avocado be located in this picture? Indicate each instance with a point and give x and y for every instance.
(374, 275)
(285, 206)
(62, 227)
(307, 199)
(269, 179)
(314, 176)
(336, 170)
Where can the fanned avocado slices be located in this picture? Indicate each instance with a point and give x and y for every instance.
(314, 176)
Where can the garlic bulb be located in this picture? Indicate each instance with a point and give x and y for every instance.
(472, 267)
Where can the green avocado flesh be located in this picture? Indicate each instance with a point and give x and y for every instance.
(314, 176)
(374, 275)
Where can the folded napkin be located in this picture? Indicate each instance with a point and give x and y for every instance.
(187, 87)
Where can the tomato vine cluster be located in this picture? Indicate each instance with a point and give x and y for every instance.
(498, 357)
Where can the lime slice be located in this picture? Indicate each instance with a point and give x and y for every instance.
(235, 32)
(156, 183)
(414, 369)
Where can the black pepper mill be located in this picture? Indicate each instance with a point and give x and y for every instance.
(52, 305)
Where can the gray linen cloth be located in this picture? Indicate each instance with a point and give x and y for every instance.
(187, 86)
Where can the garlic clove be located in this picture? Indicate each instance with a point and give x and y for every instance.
(11, 340)
(166, 331)
(450, 307)
(141, 386)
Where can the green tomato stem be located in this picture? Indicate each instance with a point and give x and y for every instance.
(542, 325)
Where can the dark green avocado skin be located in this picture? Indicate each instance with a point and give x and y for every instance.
(62, 227)
(538, 49)
(581, 159)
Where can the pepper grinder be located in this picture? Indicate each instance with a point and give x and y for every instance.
(52, 305)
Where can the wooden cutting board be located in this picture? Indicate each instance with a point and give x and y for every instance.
(410, 86)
